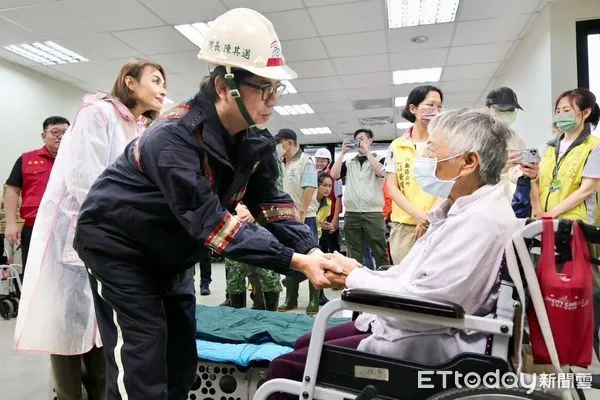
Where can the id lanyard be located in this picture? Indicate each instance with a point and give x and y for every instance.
(555, 183)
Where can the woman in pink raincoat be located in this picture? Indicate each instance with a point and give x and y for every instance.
(56, 313)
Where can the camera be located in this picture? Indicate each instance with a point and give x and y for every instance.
(354, 143)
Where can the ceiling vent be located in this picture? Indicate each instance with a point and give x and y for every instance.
(377, 121)
(373, 103)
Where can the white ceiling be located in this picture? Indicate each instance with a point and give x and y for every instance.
(341, 49)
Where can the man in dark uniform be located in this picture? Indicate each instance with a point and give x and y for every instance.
(169, 198)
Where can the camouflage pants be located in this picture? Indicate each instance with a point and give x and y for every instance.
(237, 273)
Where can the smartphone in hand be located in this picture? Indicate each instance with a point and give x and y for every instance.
(530, 156)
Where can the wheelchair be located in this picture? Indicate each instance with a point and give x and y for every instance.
(10, 282)
(336, 373)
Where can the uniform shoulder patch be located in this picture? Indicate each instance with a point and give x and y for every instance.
(177, 112)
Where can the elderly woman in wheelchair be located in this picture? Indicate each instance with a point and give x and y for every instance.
(446, 307)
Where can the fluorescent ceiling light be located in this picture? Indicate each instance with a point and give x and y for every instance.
(297, 109)
(195, 33)
(403, 125)
(417, 75)
(400, 101)
(403, 13)
(47, 53)
(289, 88)
(316, 131)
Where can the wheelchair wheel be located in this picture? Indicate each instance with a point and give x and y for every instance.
(6, 309)
(492, 394)
(15, 302)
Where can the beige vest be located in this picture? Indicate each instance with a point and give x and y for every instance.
(292, 180)
(509, 178)
(363, 190)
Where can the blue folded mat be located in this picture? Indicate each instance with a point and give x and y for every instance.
(239, 354)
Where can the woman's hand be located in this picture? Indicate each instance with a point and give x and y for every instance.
(421, 217)
(538, 213)
(335, 224)
(530, 170)
(326, 226)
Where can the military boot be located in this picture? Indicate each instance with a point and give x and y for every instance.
(322, 298)
(291, 294)
(238, 300)
(271, 301)
(313, 300)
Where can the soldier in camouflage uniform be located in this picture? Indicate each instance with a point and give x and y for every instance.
(266, 288)
(236, 285)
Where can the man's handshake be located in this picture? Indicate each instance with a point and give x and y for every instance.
(338, 280)
(325, 270)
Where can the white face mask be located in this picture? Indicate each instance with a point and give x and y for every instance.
(427, 179)
(279, 149)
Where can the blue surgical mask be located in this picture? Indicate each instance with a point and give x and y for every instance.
(428, 181)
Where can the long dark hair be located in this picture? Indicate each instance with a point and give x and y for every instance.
(416, 97)
(323, 176)
(583, 98)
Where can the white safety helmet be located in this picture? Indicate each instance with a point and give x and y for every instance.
(243, 38)
(323, 153)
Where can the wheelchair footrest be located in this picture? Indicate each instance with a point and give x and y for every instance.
(351, 370)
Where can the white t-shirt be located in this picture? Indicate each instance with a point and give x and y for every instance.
(564, 146)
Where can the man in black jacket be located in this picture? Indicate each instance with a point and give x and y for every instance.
(153, 214)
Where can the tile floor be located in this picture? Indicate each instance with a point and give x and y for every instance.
(27, 376)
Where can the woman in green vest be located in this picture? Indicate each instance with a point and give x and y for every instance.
(410, 204)
(569, 172)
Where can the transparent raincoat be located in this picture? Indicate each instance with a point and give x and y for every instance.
(56, 311)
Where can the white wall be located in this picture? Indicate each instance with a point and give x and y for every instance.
(564, 52)
(26, 99)
(528, 74)
(544, 65)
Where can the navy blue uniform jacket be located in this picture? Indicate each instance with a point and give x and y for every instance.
(169, 197)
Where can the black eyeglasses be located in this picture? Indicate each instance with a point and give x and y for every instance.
(267, 90)
(57, 132)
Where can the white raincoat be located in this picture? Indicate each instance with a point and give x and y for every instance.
(56, 311)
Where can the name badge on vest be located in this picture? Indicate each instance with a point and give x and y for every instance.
(555, 185)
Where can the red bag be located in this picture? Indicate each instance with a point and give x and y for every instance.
(568, 299)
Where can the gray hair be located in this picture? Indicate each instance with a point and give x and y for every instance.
(478, 132)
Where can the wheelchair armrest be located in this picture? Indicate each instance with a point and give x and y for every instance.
(591, 232)
(394, 301)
